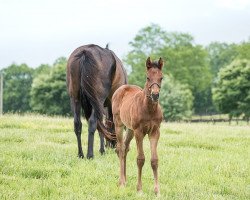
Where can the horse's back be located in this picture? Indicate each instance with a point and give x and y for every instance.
(90, 62)
(120, 76)
(99, 55)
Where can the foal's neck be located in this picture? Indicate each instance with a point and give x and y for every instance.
(148, 103)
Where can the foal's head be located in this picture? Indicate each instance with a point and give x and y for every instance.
(154, 78)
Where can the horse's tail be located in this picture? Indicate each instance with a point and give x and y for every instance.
(89, 94)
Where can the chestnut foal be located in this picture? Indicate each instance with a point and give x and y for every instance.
(139, 110)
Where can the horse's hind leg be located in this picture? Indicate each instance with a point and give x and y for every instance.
(109, 123)
(76, 106)
(91, 130)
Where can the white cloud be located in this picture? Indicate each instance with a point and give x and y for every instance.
(233, 4)
(39, 31)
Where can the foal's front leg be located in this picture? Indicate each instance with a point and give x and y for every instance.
(140, 158)
(153, 138)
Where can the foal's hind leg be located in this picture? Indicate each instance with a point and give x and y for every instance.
(76, 106)
(153, 138)
(120, 150)
(101, 150)
(91, 130)
(129, 136)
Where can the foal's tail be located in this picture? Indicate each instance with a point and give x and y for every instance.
(89, 95)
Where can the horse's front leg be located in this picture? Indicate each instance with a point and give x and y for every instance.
(91, 130)
(153, 138)
(76, 107)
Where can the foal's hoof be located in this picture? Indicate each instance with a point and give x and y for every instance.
(140, 193)
(122, 184)
(157, 192)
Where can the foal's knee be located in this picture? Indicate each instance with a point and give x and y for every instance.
(140, 161)
(154, 164)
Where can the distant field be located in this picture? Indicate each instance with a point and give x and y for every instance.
(38, 160)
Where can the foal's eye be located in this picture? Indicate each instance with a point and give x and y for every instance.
(148, 79)
(161, 79)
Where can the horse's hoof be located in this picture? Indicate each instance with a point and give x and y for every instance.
(90, 156)
(80, 156)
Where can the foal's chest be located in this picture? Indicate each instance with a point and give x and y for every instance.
(146, 129)
(149, 127)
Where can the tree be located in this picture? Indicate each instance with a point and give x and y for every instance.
(244, 50)
(147, 42)
(17, 86)
(176, 100)
(232, 91)
(42, 69)
(220, 55)
(185, 61)
(49, 93)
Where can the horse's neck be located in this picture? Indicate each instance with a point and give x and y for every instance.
(148, 104)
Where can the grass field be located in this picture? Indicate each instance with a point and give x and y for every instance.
(38, 160)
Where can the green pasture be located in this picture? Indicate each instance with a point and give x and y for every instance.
(38, 160)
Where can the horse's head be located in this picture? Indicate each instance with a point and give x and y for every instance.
(154, 78)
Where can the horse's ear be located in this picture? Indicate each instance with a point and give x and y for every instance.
(148, 63)
(160, 63)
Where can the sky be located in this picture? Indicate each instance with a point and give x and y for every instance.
(38, 32)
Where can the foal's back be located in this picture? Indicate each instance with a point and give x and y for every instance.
(124, 94)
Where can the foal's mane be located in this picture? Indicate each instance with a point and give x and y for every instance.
(154, 64)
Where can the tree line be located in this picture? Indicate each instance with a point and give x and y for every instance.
(198, 79)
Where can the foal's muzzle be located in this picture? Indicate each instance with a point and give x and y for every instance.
(154, 89)
(155, 97)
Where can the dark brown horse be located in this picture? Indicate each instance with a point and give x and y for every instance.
(93, 75)
(138, 110)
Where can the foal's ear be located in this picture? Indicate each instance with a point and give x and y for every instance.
(148, 63)
(160, 63)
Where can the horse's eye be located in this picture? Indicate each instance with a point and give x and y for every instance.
(161, 78)
(148, 79)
